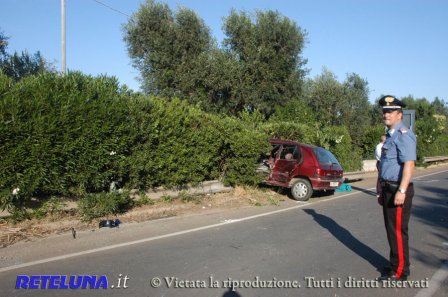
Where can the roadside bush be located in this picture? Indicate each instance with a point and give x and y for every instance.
(97, 205)
(243, 144)
(431, 138)
(338, 141)
(440, 146)
(62, 136)
(5, 83)
(296, 111)
(428, 147)
(51, 206)
(180, 144)
(77, 135)
(370, 139)
(292, 131)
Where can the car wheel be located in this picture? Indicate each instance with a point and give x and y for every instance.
(301, 190)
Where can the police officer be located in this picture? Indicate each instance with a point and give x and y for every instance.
(395, 176)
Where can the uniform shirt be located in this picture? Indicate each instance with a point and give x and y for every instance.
(400, 146)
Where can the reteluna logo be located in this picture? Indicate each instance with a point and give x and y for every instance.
(61, 282)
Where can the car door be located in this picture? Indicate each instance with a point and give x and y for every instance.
(285, 163)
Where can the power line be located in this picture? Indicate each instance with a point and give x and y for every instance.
(110, 7)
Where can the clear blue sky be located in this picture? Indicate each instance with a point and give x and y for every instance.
(399, 46)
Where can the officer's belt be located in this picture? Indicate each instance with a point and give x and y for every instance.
(392, 185)
(392, 182)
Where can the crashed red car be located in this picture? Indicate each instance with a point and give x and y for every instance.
(303, 168)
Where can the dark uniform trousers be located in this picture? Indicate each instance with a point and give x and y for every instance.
(396, 219)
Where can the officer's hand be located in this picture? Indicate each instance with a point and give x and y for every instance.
(399, 199)
(380, 199)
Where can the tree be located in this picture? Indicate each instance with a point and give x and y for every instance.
(326, 98)
(216, 83)
(259, 65)
(296, 111)
(356, 107)
(422, 107)
(439, 107)
(340, 104)
(376, 113)
(268, 50)
(17, 66)
(166, 47)
(3, 45)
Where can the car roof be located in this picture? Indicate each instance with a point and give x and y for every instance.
(284, 141)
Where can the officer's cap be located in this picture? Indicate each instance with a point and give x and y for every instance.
(390, 103)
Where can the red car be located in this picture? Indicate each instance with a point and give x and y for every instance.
(301, 167)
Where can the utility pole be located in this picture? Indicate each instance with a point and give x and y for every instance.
(63, 36)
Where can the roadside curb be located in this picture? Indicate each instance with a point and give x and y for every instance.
(204, 188)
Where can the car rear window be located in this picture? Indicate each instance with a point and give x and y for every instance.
(324, 156)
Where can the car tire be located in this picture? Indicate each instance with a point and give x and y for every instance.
(301, 189)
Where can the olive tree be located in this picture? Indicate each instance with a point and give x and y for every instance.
(166, 47)
(268, 49)
(17, 66)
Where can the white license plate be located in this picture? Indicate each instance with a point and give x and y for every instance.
(334, 184)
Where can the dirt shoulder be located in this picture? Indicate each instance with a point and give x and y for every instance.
(157, 219)
(68, 221)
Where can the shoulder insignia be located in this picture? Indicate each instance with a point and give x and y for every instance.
(403, 130)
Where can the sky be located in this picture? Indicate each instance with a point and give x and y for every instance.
(400, 47)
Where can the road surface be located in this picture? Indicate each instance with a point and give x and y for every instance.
(328, 246)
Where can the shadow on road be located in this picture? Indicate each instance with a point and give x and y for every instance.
(231, 293)
(430, 207)
(433, 211)
(346, 238)
(372, 193)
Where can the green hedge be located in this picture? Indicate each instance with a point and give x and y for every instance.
(184, 145)
(432, 139)
(61, 136)
(77, 134)
(370, 140)
(179, 144)
(337, 139)
(102, 204)
(243, 145)
(293, 131)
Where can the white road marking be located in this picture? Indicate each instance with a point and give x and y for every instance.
(144, 240)
(227, 222)
(435, 282)
(438, 278)
(434, 173)
(230, 221)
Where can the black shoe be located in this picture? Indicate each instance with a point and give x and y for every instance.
(383, 277)
(387, 269)
(392, 277)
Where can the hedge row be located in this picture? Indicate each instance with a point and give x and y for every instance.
(76, 135)
(58, 135)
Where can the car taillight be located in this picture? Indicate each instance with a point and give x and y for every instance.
(319, 172)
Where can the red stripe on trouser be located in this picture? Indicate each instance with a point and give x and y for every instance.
(399, 242)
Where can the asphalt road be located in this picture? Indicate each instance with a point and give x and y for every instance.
(329, 246)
